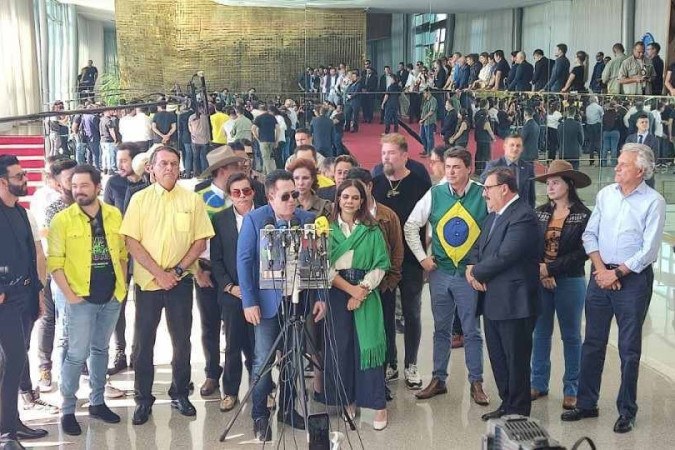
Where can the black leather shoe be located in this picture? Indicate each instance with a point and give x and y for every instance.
(70, 426)
(141, 414)
(624, 424)
(104, 413)
(11, 444)
(23, 432)
(183, 405)
(262, 430)
(292, 418)
(577, 414)
(496, 414)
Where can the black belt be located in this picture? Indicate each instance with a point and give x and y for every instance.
(612, 266)
(352, 276)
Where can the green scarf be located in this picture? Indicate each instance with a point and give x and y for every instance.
(370, 252)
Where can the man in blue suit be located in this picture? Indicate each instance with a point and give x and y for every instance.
(523, 170)
(561, 70)
(262, 307)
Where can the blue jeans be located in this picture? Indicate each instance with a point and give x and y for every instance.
(610, 145)
(427, 137)
(109, 155)
(80, 152)
(95, 147)
(567, 302)
(90, 327)
(448, 291)
(265, 335)
(199, 162)
(187, 157)
(61, 322)
(629, 305)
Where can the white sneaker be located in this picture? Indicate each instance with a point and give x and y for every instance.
(392, 374)
(412, 377)
(112, 392)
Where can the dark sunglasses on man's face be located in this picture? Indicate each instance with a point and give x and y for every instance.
(287, 196)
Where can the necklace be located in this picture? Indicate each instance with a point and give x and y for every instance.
(393, 192)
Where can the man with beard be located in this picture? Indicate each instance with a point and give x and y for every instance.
(88, 262)
(115, 194)
(159, 214)
(19, 287)
(400, 189)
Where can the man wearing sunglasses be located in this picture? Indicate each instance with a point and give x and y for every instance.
(19, 287)
(262, 306)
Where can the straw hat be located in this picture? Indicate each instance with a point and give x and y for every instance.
(564, 169)
(220, 157)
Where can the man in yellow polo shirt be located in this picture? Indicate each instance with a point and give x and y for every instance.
(88, 262)
(218, 119)
(166, 228)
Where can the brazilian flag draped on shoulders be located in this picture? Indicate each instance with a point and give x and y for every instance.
(456, 224)
(214, 202)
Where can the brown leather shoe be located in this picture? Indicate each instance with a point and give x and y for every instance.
(569, 403)
(228, 403)
(435, 387)
(535, 394)
(478, 395)
(457, 341)
(209, 387)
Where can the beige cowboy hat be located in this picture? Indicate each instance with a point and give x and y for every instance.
(220, 157)
(564, 169)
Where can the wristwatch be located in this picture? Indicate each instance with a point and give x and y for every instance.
(179, 271)
(618, 273)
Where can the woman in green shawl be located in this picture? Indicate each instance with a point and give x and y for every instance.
(356, 344)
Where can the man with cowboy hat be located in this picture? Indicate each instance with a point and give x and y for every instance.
(562, 290)
(223, 163)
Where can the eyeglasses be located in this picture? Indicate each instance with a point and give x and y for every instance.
(287, 196)
(487, 188)
(18, 176)
(238, 192)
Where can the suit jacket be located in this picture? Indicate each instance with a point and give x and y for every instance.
(507, 262)
(542, 72)
(559, 74)
(370, 83)
(248, 261)
(224, 252)
(571, 139)
(650, 141)
(525, 177)
(530, 134)
(523, 77)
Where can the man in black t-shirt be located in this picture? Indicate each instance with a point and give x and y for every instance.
(264, 130)
(164, 125)
(19, 288)
(400, 189)
(88, 262)
(109, 136)
(484, 136)
(501, 71)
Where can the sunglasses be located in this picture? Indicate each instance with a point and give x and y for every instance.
(238, 192)
(287, 196)
(18, 176)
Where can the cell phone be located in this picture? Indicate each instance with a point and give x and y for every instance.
(317, 430)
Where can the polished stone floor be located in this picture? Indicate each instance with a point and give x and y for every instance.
(450, 421)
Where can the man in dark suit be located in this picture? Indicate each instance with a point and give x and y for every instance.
(504, 269)
(262, 307)
(522, 170)
(370, 83)
(561, 70)
(570, 138)
(530, 133)
(239, 335)
(542, 70)
(643, 136)
(522, 79)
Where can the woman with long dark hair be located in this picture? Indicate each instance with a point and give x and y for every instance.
(562, 221)
(356, 344)
(576, 81)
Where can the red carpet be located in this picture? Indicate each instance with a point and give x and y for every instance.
(31, 153)
(365, 145)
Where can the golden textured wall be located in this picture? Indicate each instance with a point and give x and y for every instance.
(162, 42)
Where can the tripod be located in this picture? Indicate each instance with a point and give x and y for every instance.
(293, 335)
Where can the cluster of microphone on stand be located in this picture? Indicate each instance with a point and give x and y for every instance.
(311, 235)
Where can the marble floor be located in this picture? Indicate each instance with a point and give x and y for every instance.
(450, 421)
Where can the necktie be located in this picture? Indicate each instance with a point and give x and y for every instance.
(514, 168)
(639, 139)
(492, 227)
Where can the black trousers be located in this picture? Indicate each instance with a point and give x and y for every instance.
(389, 312)
(367, 103)
(483, 155)
(411, 304)
(27, 322)
(46, 329)
(509, 344)
(552, 142)
(209, 317)
(239, 340)
(12, 358)
(149, 305)
(594, 135)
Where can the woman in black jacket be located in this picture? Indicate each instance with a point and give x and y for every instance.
(562, 221)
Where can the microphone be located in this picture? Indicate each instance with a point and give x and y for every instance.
(295, 233)
(268, 232)
(322, 228)
(282, 225)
